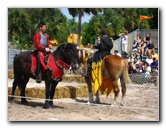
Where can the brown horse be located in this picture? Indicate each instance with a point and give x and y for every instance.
(113, 67)
(68, 53)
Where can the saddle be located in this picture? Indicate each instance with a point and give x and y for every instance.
(56, 67)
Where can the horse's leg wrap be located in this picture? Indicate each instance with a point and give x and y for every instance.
(90, 97)
(97, 97)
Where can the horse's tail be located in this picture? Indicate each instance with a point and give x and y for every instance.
(17, 74)
(125, 73)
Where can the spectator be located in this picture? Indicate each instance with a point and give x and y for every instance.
(154, 54)
(147, 69)
(142, 47)
(131, 68)
(154, 65)
(147, 38)
(124, 40)
(117, 53)
(149, 60)
(139, 68)
(139, 39)
(138, 56)
(132, 54)
(135, 45)
(150, 46)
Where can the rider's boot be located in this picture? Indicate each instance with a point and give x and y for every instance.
(39, 78)
(38, 70)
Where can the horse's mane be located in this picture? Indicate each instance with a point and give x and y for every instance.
(63, 49)
(64, 46)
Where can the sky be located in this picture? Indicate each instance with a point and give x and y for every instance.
(85, 18)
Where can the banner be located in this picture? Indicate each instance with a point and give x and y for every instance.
(144, 16)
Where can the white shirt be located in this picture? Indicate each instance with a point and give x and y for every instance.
(149, 61)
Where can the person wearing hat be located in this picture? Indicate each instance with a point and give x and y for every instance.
(124, 41)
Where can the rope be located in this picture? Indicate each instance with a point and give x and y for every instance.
(95, 104)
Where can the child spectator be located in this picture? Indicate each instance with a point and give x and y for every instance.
(147, 69)
(150, 46)
(154, 54)
(154, 65)
(117, 53)
(131, 68)
(147, 38)
(138, 39)
(135, 45)
(138, 56)
(142, 47)
(149, 60)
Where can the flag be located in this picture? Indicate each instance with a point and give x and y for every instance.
(144, 16)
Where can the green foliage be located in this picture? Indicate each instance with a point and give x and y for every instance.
(22, 23)
(118, 20)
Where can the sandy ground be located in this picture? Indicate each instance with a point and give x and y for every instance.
(142, 104)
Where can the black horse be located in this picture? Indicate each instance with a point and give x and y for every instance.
(67, 53)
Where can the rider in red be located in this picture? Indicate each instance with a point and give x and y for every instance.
(42, 43)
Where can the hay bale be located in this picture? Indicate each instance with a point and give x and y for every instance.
(66, 78)
(74, 78)
(61, 92)
(10, 74)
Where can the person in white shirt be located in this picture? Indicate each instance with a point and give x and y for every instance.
(124, 39)
(149, 60)
(117, 53)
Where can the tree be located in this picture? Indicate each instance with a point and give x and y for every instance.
(80, 12)
(18, 27)
(118, 20)
(22, 24)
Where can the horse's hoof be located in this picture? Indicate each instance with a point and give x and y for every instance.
(12, 101)
(92, 101)
(98, 102)
(121, 104)
(88, 102)
(47, 105)
(24, 102)
(51, 104)
(114, 104)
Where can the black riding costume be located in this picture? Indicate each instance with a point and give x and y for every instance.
(104, 45)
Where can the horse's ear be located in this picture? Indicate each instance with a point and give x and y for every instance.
(64, 46)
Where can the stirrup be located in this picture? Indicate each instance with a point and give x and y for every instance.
(85, 75)
(38, 79)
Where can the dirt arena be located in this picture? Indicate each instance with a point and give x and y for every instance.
(142, 104)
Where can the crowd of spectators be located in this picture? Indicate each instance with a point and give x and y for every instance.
(143, 58)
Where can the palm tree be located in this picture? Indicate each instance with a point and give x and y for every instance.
(80, 12)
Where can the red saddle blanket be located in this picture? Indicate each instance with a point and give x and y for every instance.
(57, 67)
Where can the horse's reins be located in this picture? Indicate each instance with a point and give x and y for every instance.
(61, 66)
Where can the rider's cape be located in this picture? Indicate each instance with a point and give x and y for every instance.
(104, 44)
(100, 77)
(57, 67)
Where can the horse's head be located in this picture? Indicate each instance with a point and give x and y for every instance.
(69, 54)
